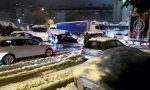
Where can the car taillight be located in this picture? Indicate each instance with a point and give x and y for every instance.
(148, 44)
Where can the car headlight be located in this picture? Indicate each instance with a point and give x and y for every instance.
(60, 46)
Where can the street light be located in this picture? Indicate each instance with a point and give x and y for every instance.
(42, 9)
(19, 21)
(124, 1)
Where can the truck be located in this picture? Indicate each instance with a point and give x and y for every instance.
(79, 27)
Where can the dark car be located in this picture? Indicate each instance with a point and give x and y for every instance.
(62, 39)
(25, 34)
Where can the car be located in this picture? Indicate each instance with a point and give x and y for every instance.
(118, 68)
(12, 48)
(94, 46)
(118, 35)
(25, 34)
(62, 39)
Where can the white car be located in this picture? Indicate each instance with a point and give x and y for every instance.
(121, 36)
(95, 46)
(12, 48)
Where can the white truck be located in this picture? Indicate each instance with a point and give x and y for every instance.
(40, 31)
(79, 27)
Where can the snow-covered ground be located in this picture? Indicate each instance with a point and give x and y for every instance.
(61, 56)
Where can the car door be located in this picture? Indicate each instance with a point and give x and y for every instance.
(18, 47)
(35, 47)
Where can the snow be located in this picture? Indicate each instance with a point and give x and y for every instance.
(61, 56)
(112, 64)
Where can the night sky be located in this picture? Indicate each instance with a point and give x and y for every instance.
(10, 5)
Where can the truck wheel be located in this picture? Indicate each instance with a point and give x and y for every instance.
(8, 59)
(48, 52)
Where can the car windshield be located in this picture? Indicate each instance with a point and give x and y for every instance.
(94, 45)
(39, 29)
(118, 33)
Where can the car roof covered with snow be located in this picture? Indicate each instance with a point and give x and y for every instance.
(94, 31)
(58, 31)
(9, 38)
(101, 39)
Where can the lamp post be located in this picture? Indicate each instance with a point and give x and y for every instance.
(43, 15)
(19, 21)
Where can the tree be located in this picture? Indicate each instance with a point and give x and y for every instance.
(141, 5)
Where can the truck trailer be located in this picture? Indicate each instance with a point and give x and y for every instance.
(79, 27)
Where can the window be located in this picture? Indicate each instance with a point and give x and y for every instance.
(14, 34)
(6, 43)
(94, 45)
(118, 33)
(39, 29)
(28, 35)
(18, 42)
(31, 42)
(112, 44)
(97, 27)
(22, 34)
(119, 43)
(85, 88)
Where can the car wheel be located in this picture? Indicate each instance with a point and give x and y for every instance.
(49, 52)
(8, 59)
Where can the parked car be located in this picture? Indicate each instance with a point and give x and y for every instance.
(62, 39)
(25, 34)
(12, 48)
(95, 46)
(118, 68)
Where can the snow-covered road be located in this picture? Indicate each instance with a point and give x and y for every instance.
(60, 56)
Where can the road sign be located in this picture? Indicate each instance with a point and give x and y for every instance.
(139, 25)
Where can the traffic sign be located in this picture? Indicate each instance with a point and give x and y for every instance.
(139, 24)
